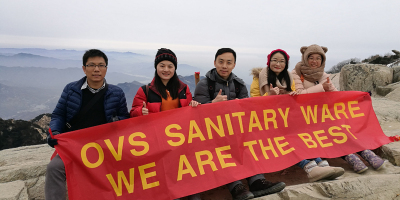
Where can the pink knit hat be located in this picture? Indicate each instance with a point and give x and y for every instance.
(277, 50)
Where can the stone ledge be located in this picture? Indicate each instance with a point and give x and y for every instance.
(363, 187)
(15, 190)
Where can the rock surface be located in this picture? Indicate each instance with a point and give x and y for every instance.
(396, 74)
(394, 95)
(43, 121)
(364, 77)
(384, 90)
(26, 165)
(16, 133)
(363, 187)
(335, 78)
(13, 190)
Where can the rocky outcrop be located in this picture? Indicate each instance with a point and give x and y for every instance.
(43, 121)
(366, 187)
(394, 95)
(16, 133)
(335, 78)
(384, 90)
(24, 169)
(13, 190)
(363, 187)
(364, 77)
(388, 114)
(396, 74)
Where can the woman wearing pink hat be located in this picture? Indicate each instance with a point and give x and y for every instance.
(274, 79)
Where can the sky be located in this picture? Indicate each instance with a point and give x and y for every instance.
(195, 30)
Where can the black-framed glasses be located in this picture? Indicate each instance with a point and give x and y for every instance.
(100, 66)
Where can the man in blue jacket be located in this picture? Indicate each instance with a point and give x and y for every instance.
(87, 102)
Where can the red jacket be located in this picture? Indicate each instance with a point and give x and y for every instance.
(153, 100)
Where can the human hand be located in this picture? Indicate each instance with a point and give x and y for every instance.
(194, 103)
(145, 111)
(50, 141)
(327, 85)
(273, 90)
(220, 97)
(293, 93)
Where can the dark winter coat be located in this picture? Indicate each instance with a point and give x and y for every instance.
(154, 99)
(201, 94)
(70, 102)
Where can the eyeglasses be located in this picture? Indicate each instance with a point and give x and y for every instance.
(101, 66)
(315, 59)
(277, 62)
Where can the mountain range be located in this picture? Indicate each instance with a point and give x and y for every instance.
(133, 64)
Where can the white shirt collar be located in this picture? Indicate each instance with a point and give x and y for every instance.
(86, 85)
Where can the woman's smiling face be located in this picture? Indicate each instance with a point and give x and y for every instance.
(314, 60)
(277, 63)
(165, 70)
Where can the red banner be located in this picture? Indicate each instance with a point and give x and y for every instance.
(176, 153)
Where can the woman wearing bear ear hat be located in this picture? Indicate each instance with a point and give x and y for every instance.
(309, 75)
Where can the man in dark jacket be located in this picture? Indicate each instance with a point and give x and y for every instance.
(87, 102)
(219, 85)
(226, 85)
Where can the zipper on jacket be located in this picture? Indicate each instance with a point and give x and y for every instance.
(227, 93)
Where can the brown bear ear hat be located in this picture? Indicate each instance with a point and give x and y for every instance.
(302, 67)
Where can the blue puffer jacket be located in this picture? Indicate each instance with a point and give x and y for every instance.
(70, 101)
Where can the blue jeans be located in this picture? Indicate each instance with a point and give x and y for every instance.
(305, 162)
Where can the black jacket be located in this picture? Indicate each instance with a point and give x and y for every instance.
(201, 94)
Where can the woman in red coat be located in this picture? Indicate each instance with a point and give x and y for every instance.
(165, 91)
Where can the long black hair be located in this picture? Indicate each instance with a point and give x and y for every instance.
(284, 75)
(172, 86)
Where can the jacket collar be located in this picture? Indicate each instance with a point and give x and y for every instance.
(214, 76)
(78, 84)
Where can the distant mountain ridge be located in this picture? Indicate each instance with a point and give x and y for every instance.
(121, 62)
(31, 60)
(25, 102)
(51, 78)
(58, 53)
